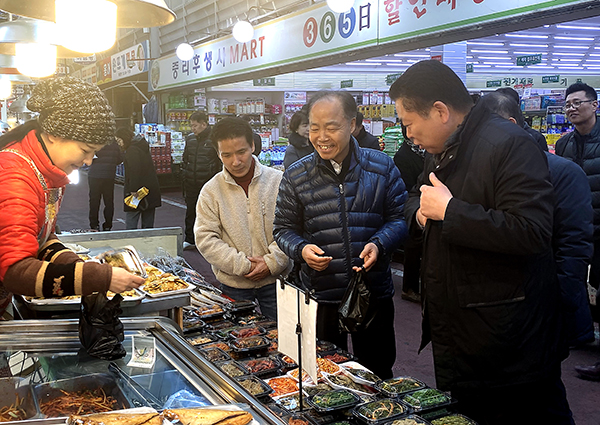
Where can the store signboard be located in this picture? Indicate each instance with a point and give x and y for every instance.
(493, 83)
(104, 71)
(88, 73)
(399, 20)
(311, 33)
(469, 67)
(390, 78)
(346, 84)
(258, 82)
(550, 79)
(85, 60)
(529, 60)
(126, 63)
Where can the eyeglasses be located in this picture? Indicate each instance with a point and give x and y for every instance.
(576, 104)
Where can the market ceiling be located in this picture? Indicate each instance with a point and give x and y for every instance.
(568, 47)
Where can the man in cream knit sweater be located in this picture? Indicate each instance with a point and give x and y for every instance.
(234, 219)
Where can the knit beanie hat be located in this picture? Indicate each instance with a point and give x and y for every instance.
(73, 109)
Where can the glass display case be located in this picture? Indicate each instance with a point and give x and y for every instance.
(43, 357)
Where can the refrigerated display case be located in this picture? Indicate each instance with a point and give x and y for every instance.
(46, 356)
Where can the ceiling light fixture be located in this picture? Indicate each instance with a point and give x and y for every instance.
(130, 13)
(340, 6)
(5, 87)
(560, 37)
(88, 26)
(527, 45)
(408, 55)
(567, 54)
(576, 27)
(495, 57)
(483, 43)
(489, 51)
(185, 52)
(243, 31)
(529, 53)
(526, 36)
(564, 46)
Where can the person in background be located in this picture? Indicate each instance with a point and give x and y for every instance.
(364, 138)
(536, 135)
(234, 219)
(139, 172)
(339, 211)
(101, 181)
(75, 121)
(199, 164)
(299, 145)
(572, 235)
(489, 286)
(255, 137)
(582, 146)
(409, 160)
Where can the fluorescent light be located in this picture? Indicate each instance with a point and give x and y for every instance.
(489, 51)
(495, 57)
(567, 54)
(592, 60)
(527, 45)
(526, 36)
(595, 54)
(543, 67)
(559, 37)
(569, 65)
(483, 43)
(530, 53)
(384, 60)
(576, 27)
(469, 56)
(570, 60)
(564, 46)
(363, 64)
(499, 63)
(409, 55)
(482, 66)
(505, 66)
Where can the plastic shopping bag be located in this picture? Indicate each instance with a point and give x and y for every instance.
(100, 330)
(354, 311)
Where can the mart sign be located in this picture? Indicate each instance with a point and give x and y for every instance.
(529, 59)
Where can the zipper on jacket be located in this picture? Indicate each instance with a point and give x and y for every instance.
(345, 234)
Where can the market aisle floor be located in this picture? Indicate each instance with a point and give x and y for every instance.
(584, 396)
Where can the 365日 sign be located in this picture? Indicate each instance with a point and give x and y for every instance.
(529, 59)
(270, 81)
(550, 79)
(344, 84)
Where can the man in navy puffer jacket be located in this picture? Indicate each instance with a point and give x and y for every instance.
(340, 208)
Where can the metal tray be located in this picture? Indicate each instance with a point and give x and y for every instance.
(10, 388)
(127, 258)
(127, 301)
(51, 390)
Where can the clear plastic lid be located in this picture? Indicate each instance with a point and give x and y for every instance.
(379, 411)
(400, 385)
(329, 401)
(426, 398)
(255, 386)
(126, 258)
(454, 419)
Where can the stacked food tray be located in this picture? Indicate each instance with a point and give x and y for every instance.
(346, 393)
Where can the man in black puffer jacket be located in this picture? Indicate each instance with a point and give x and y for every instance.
(199, 164)
(336, 208)
(101, 180)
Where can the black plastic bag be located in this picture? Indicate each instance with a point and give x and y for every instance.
(354, 311)
(100, 330)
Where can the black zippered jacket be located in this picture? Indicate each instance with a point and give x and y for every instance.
(490, 291)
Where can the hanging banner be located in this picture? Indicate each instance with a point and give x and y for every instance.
(104, 71)
(312, 33)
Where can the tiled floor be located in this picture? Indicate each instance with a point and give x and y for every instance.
(584, 396)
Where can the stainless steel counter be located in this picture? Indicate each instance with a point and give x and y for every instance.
(49, 350)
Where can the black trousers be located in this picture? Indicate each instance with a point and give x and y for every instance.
(191, 198)
(101, 189)
(540, 402)
(375, 346)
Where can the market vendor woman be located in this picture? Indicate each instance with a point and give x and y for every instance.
(75, 122)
